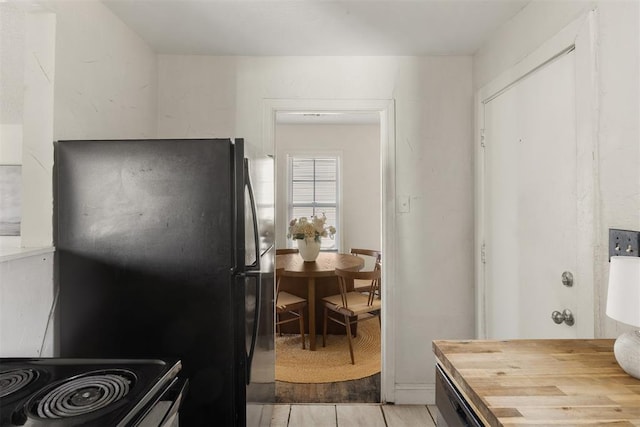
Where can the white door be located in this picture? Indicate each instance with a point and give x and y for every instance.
(531, 204)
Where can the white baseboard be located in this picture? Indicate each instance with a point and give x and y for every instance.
(415, 394)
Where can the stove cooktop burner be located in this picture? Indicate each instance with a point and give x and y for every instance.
(83, 394)
(48, 392)
(15, 380)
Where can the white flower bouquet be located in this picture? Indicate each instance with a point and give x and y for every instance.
(315, 228)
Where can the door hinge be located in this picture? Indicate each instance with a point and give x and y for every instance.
(483, 253)
(482, 142)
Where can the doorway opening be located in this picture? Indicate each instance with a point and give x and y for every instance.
(361, 135)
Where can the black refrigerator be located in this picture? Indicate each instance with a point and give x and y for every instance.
(161, 253)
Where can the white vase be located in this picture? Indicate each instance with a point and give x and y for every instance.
(308, 249)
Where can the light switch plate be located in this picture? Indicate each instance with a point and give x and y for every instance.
(624, 243)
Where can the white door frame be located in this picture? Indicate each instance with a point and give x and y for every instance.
(581, 36)
(386, 109)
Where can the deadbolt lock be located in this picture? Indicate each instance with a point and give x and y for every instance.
(567, 279)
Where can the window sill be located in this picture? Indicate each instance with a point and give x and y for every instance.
(10, 249)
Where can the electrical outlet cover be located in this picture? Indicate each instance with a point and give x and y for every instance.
(624, 243)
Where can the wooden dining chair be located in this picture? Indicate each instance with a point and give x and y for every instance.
(286, 251)
(349, 308)
(372, 258)
(290, 305)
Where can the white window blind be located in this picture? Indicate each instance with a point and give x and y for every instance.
(313, 190)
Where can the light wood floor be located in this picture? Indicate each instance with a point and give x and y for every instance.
(343, 415)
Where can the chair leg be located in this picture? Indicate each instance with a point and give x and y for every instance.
(301, 317)
(355, 333)
(278, 325)
(324, 329)
(348, 325)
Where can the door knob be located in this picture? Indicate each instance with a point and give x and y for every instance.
(566, 316)
(567, 279)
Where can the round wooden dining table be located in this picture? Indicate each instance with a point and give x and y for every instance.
(324, 267)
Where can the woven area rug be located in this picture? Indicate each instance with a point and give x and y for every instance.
(331, 363)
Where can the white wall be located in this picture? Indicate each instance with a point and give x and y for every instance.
(433, 287)
(520, 36)
(196, 96)
(618, 156)
(618, 139)
(359, 147)
(106, 75)
(26, 298)
(12, 48)
(85, 75)
(26, 261)
(435, 244)
(26, 113)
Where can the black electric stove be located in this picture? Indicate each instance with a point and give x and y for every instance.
(57, 392)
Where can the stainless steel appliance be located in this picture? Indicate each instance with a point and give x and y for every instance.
(51, 392)
(160, 253)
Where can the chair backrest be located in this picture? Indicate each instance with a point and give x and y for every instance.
(344, 276)
(378, 267)
(286, 251)
(278, 276)
(376, 256)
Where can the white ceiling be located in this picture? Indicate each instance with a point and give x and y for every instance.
(315, 27)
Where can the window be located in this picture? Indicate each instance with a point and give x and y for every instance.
(313, 190)
(10, 200)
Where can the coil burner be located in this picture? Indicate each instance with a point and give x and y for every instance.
(82, 395)
(68, 392)
(15, 380)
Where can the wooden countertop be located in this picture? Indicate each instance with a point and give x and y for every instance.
(542, 382)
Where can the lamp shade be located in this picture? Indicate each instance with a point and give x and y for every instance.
(623, 296)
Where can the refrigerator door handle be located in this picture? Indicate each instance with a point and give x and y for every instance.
(255, 266)
(256, 320)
